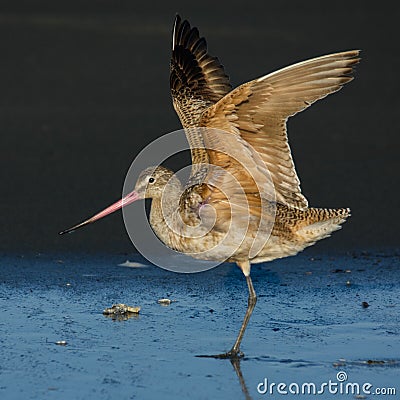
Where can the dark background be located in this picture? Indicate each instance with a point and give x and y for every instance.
(84, 86)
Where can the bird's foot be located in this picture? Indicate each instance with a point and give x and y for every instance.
(230, 355)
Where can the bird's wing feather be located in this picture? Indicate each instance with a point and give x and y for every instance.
(197, 81)
(236, 184)
(257, 111)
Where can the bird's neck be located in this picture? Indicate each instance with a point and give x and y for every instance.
(161, 215)
(161, 210)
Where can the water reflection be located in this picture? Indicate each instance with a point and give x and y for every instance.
(122, 317)
(235, 361)
(236, 366)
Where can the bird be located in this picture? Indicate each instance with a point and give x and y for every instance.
(242, 202)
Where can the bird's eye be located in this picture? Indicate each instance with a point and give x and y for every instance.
(151, 180)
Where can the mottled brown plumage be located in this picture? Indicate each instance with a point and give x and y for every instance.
(243, 201)
(197, 79)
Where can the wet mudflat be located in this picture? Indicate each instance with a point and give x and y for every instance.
(316, 316)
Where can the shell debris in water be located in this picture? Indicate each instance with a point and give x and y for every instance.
(164, 302)
(119, 309)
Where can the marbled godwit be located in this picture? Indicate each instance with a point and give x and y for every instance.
(254, 114)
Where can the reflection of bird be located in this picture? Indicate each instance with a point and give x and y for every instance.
(253, 120)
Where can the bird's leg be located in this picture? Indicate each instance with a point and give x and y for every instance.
(251, 303)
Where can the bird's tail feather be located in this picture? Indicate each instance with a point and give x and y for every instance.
(321, 222)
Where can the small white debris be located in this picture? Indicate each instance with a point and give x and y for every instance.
(132, 264)
(164, 302)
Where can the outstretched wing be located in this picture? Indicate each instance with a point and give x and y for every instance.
(197, 79)
(257, 112)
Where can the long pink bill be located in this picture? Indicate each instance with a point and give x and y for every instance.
(128, 199)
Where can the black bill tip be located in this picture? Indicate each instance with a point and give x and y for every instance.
(70, 230)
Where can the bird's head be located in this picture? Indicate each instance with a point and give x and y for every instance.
(153, 180)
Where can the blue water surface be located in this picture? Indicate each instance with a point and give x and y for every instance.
(310, 324)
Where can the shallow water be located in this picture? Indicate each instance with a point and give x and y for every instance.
(308, 325)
